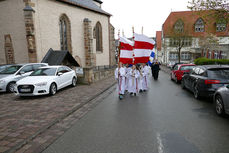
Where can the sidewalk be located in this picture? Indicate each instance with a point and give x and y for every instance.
(28, 125)
(165, 69)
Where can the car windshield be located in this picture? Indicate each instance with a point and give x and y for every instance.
(2, 67)
(189, 67)
(11, 69)
(44, 72)
(219, 73)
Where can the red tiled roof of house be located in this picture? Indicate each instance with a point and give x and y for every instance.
(158, 40)
(189, 19)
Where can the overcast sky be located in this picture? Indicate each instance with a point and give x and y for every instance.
(150, 14)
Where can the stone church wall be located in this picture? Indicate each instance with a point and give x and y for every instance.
(12, 32)
(47, 14)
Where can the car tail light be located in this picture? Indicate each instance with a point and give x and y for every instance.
(212, 81)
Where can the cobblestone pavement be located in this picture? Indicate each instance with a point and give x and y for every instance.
(30, 124)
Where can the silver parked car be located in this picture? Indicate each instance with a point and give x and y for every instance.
(221, 99)
(10, 75)
(3, 67)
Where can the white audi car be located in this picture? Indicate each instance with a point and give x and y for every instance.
(46, 80)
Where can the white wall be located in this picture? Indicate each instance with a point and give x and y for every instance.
(12, 22)
(47, 29)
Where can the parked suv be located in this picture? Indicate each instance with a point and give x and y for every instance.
(10, 75)
(205, 80)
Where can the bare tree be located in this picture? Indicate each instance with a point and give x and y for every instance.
(209, 42)
(179, 37)
(218, 8)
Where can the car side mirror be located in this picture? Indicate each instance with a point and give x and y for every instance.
(59, 73)
(22, 72)
(227, 86)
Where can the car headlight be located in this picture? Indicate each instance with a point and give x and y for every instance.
(2, 81)
(41, 84)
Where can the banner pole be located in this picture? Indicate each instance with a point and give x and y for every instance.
(134, 42)
(119, 47)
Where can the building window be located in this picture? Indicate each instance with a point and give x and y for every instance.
(185, 56)
(221, 25)
(199, 25)
(173, 56)
(65, 33)
(180, 42)
(179, 26)
(98, 37)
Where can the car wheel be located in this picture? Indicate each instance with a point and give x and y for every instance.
(219, 107)
(176, 80)
(10, 87)
(74, 82)
(182, 84)
(52, 89)
(196, 92)
(171, 77)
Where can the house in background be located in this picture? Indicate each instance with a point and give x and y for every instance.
(198, 29)
(29, 28)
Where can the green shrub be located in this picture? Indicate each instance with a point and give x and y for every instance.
(206, 61)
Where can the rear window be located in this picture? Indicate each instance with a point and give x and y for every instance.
(219, 73)
(186, 67)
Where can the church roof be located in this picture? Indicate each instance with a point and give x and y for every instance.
(98, 1)
(86, 4)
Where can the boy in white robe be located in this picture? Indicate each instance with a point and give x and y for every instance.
(120, 74)
(126, 77)
(145, 80)
(133, 81)
(140, 79)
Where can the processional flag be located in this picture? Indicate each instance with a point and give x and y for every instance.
(151, 58)
(126, 51)
(143, 46)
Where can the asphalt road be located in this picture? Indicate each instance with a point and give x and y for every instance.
(166, 119)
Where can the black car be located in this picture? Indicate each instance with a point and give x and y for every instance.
(204, 80)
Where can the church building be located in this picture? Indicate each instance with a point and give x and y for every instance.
(29, 28)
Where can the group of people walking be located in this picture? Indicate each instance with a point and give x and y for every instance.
(132, 79)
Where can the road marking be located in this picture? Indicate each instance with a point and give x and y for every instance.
(160, 145)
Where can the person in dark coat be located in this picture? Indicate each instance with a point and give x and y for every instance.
(155, 67)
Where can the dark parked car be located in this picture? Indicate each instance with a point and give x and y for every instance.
(221, 99)
(203, 81)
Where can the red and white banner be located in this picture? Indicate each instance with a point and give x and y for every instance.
(143, 46)
(126, 50)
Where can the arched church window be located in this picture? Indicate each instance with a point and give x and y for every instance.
(65, 33)
(98, 37)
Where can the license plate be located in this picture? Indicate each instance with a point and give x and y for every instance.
(25, 90)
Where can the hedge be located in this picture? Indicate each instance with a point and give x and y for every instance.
(206, 61)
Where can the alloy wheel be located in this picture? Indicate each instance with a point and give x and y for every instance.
(74, 82)
(176, 79)
(11, 87)
(196, 92)
(219, 105)
(53, 89)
